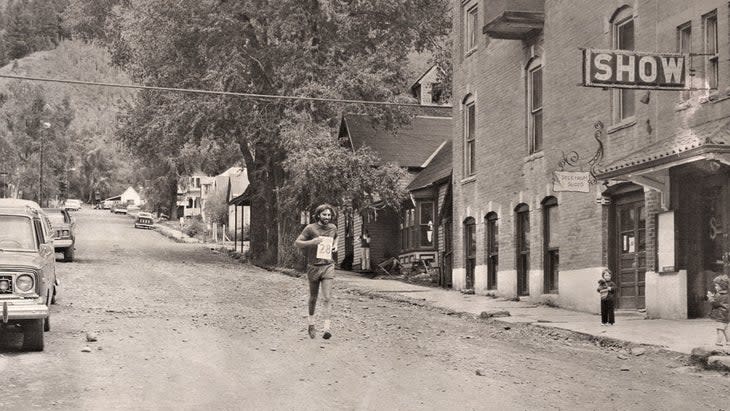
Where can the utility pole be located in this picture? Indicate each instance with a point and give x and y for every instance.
(46, 125)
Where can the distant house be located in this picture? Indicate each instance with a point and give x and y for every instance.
(234, 183)
(414, 233)
(191, 194)
(428, 89)
(130, 197)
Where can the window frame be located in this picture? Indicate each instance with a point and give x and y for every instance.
(492, 249)
(535, 143)
(621, 96)
(469, 137)
(522, 246)
(471, 32)
(684, 46)
(711, 51)
(551, 252)
(410, 227)
(470, 253)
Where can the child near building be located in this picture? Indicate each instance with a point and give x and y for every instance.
(607, 290)
(720, 312)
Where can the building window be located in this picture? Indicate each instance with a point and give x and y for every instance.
(712, 55)
(492, 250)
(534, 104)
(469, 138)
(417, 229)
(470, 250)
(623, 39)
(684, 46)
(522, 230)
(550, 244)
(471, 24)
(426, 223)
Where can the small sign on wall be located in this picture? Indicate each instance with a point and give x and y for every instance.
(665, 242)
(571, 181)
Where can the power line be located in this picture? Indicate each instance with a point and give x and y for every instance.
(210, 92)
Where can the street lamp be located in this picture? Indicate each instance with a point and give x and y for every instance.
(46, 125)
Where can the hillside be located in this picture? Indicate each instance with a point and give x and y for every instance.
(95, 107)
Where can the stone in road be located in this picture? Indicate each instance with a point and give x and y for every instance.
(179, 327)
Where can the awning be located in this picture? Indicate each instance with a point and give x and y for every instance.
(707, 141)
(244, 199)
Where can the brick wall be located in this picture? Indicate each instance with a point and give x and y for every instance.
(506, 175)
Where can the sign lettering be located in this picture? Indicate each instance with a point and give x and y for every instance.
(571, 181)
(631, 69)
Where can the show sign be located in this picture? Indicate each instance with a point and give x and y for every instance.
(631, 69)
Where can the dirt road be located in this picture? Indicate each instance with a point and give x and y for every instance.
(181, 327)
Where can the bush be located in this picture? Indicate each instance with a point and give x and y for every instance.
(194, 227)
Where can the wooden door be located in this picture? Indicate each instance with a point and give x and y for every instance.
(631, 252)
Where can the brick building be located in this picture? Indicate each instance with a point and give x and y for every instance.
(657, 212)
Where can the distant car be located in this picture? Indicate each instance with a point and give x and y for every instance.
(119, 209)
(64, 227)
(27, 274)
(107, 204)
(144, 220)
(72, 204)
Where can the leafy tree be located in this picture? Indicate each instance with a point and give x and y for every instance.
(36, 140)
(319, 48)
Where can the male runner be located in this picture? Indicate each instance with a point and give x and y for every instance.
(320, 266)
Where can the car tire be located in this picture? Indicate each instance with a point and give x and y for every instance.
(47, 323)
(53, 296)
(68, 254)
(33, 335)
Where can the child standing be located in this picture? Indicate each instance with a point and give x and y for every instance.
(719, 312)
(607, 290)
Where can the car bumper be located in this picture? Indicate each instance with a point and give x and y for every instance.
(62, 243)
(144, 225)
(22, 310)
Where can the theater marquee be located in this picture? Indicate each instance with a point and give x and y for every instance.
(631, 69)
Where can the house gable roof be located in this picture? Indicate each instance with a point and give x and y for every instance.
(438, 169)
(408, 146)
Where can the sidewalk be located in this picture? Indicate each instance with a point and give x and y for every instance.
(674, 335)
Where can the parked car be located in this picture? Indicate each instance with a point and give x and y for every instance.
(27, 274)
(72, 204)
(20, 203)
(119, 209)
(107, 204)
(144, 220)
(64, 227)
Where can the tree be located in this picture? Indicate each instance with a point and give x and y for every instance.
(318, 48)
(33, 130)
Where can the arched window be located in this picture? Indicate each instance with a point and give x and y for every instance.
(534, 104)
(522, 248)
(623, 38)
(469, 135)
(470, 250)
(551, 252)
(492, 249)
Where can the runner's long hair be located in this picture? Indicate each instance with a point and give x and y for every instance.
(320, 208)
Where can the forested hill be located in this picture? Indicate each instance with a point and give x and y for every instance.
(81, 122)
(94, 108)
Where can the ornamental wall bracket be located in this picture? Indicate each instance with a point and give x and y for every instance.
(572, 158)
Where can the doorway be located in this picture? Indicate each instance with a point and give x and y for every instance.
(630, 253)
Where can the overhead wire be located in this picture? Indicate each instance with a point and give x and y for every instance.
(208, 92)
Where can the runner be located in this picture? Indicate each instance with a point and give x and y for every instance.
(317, 240)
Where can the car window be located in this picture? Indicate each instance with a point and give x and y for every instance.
(56, 217)
(16, 233)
